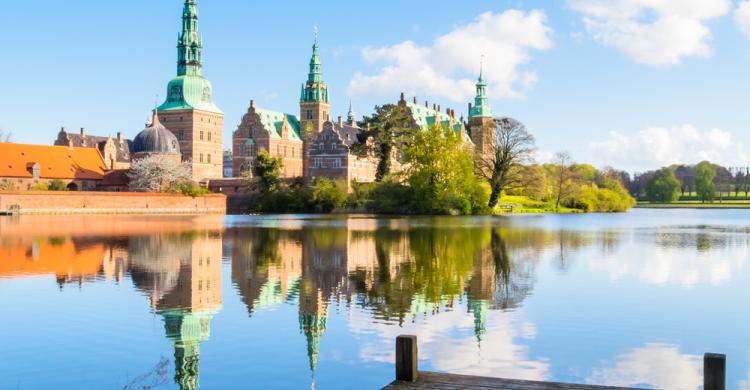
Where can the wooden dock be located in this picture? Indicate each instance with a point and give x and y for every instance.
(409, 377)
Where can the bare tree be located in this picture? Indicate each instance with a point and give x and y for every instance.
(511, 146)
(158, 174)
(4, 135)
(564, 177)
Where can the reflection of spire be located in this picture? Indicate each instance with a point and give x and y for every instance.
(313, 325)
(479, 308)
(187, 330)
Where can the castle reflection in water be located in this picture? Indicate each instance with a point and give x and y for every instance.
(392, 270)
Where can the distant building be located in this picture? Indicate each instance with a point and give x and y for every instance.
(227, 163)
(81, 169)
(189, 110)
(115, 151)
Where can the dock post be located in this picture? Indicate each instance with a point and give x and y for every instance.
(406, 358)
(714, 371)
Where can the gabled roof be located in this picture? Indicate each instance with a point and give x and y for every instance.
(426, 117)
(273, 121)
(56, 162)
(91, 141)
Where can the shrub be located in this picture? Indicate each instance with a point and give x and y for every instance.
(40, 187)
(328, 195)
(57, 185)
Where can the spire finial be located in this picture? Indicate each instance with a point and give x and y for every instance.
(315, 31)
(481, 67)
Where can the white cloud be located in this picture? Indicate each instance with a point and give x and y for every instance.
(742, 17)
(448, 343)
(652, 32)
(655, 147)
(712, 259)
(659, 365)
(448, 67)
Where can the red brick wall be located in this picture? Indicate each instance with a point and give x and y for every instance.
(48, 202)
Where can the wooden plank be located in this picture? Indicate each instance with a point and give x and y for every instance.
(407, 358)
(441, 381)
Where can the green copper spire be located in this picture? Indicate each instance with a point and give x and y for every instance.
(189, 90)
(481, 106)
(315, 90)
(189, 42)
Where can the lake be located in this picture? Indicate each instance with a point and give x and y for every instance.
(299, 301)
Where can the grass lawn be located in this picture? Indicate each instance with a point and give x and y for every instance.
(523, 204)
(726, 204)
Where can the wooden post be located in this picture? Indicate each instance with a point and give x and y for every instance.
(714, 371)
(406, 358)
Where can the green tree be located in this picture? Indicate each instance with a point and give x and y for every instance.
(328, 195)
(386, 131)
(663, 186)
(268, 170)
(512, 145)
(704, 181)
(441, 174)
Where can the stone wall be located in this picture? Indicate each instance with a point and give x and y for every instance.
(80, 202)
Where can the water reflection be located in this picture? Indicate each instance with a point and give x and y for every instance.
(461, 285)
(658, 365)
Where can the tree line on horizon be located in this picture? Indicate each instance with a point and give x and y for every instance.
(703, 182)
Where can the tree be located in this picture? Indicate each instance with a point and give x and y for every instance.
(564, 178)
(512, 146)
(268, 170)
(157, 173)
(663, 186)
(390, 130)
(328, 195)
(704, 181)
(441, 174)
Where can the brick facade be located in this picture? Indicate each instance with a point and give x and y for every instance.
(45, 202)
(330, 155)
(200, 136)
(254, 134)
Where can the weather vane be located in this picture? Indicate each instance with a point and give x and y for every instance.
(315, 31)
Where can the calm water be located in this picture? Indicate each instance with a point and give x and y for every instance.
(215, 302)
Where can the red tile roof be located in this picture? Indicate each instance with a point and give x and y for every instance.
(56, 162)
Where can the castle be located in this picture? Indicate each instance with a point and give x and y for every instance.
(310, 145)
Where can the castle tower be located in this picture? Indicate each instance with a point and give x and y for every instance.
(189, 110)
(481, 123)
(313, 103)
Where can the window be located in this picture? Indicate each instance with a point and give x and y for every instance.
(209, 158)
(317, 162)
(209, 136)
(284, 151)
(243, 150)
(180, 134)
(337, 163)
(309, 114)
(292, 151)
(201, 157)
(201, 136)
(322, 146)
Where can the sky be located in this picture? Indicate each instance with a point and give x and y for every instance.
(634, 84)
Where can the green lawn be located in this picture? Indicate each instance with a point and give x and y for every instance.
(522, 204)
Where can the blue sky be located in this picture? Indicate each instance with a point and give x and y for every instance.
(630, 83)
